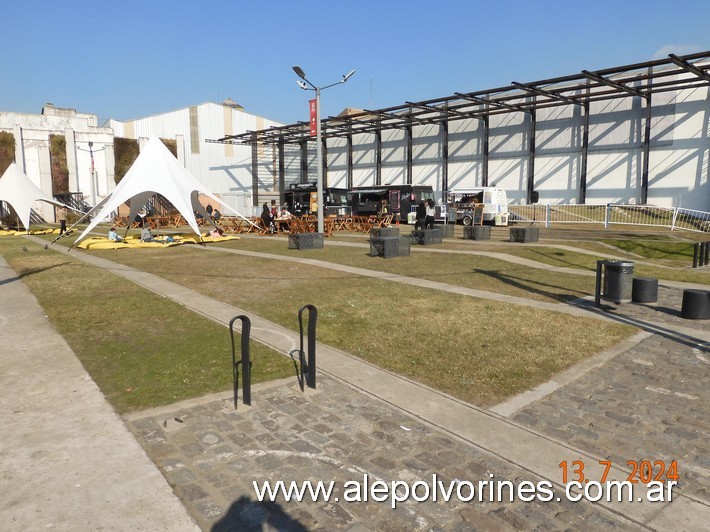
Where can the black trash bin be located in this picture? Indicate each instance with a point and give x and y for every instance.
(618, 280)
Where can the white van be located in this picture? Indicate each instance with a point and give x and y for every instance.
(493, 199)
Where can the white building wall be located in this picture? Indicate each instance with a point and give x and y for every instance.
(32, 133)
(224, 169)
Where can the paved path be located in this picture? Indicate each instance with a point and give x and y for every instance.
(212, 433)
(67, 461)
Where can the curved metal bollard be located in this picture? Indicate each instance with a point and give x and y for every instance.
(308, 368)
(245, 360)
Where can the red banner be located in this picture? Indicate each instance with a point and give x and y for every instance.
(314, 117)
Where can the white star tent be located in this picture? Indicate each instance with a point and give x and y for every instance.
(17, 190)
(156, 171)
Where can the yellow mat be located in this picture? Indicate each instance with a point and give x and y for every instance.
(98, 242)
(50, 231)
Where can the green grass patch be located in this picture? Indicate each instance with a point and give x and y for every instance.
(141, 349)
(482, 351)
(657, 249)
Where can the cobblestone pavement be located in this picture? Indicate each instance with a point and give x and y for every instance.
(648, 403)
(665, 311)
(211, 454)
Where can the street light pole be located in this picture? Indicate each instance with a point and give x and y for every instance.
(94, 178)
(319, 144)
(319, 159)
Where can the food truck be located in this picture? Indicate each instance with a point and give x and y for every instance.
(401, 199)
(302, 198)
(468, 202)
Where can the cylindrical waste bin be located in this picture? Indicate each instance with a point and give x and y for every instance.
(618, 280)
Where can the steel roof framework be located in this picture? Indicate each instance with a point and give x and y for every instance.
(640, 80)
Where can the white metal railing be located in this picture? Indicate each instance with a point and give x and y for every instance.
(647, 215)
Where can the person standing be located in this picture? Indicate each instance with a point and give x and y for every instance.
(62, 219)
(430, 214)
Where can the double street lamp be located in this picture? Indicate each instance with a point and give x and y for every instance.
(306, 85)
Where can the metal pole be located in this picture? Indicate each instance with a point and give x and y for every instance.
(93, 183)
(319, 162)
(598, 284)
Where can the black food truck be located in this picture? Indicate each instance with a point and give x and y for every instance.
(401, 199)
(301, 199)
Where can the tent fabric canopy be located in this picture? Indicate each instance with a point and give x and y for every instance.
(17, 190)
(156, 171)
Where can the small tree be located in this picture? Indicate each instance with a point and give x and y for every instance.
(60, 169)
(7, 150)
(125, 153)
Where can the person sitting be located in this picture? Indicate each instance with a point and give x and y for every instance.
(421, 216)
(382, 209)
(216, 215)
(113, 236)
(146, 235)
(267, 218)
(283, 219)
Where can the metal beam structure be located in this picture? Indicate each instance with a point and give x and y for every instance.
(636, 80)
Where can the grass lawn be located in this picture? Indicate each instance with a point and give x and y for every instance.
(141, 349)
(482, 351)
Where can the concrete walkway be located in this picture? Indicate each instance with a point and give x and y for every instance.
(535, 453)
(67, 461)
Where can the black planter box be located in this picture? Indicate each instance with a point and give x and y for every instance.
(477, 232)
(389, 246)
(524, 234)
(447, 230)
(377, 232)
(305, 241)
(427, 237)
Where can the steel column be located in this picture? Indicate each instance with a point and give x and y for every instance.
(444, 160)
(254, 171)
(304, 161)
(350, 162)
(378, 157)
(585, 154)
(282, 169)
(409, 169)
(531, 160)
(486, 138)
(646, 151)
(324, 147)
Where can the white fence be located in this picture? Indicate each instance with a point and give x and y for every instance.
(606, 215)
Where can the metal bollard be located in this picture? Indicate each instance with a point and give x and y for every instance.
(308, 368)
(245, 361)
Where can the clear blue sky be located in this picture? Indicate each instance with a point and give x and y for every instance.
(128, 59)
